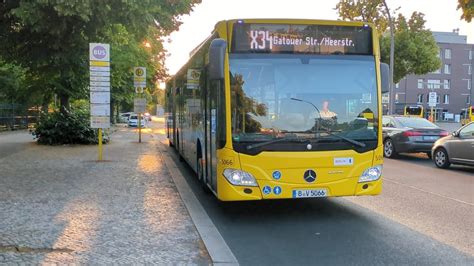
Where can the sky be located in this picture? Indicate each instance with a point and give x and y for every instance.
(440, 15)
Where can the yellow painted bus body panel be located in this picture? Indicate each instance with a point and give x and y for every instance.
(338, 180)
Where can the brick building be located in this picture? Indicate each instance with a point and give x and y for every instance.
(453, 82)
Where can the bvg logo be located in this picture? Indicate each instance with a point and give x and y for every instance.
(259, 40)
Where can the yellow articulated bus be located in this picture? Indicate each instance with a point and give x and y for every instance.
(281, 108)
(413, 110)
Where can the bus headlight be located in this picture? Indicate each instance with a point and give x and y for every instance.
(239, 177)
(371, 174)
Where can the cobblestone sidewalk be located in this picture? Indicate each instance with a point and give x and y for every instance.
(57, 205)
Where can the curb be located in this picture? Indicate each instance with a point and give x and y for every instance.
(216, 246)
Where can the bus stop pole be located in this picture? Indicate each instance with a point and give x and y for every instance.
(100, 144)
(139, 127)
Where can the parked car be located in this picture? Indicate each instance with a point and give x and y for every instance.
(133, 121)
(123, 117)
(457, 148)
(409, 135)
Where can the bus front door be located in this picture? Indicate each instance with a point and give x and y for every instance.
(211, 131)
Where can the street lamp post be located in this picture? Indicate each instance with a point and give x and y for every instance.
(392, 51)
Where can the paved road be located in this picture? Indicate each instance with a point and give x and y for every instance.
(424, 216)
(13, 142)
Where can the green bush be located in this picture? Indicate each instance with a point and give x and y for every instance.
(73, 127)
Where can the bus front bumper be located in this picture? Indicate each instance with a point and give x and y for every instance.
(269, 189)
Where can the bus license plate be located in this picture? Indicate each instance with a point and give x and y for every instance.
(310, 193)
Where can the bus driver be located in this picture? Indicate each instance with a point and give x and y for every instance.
(325, 113)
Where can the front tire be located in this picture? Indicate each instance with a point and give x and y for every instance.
(199, 169)
(200, 173)
(441, 158)
(389, 149)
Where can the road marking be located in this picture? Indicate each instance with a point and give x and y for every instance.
(218, 249)
(433, 193)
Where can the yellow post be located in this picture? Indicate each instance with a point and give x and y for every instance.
(432, 118)
(139, 127)
(100, 144)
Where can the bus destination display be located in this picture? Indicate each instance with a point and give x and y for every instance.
(309, 39)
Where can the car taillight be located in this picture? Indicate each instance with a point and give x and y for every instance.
(444, 133)
(410, 133)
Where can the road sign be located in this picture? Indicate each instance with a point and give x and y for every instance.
(100, 109)
(432, 99)
(139, 77)
(100, 121)
(98, 78)
(98, 97)
(99, 88)
(99, 70)
(100, 83)
(139, 105)
(99, 73)
(99, 52)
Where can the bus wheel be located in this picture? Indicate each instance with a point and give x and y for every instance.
(178, 148)
(200, 170)
(200, 174)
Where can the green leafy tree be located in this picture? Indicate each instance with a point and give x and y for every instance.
(12, 81)
(416, 51)
(467, 7)
(51, 37)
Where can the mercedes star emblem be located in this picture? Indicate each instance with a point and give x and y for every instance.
(309, 176)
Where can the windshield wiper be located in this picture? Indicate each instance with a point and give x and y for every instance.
(353, 141)
(261, 144)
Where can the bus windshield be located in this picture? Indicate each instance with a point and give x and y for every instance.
(297, 96)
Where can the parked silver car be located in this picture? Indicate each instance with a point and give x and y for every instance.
(458, 148)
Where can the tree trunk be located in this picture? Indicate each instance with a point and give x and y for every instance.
(64, 103)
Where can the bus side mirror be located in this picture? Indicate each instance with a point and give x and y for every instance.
(385, 77)
(216, 59)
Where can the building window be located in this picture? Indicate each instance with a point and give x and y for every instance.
(446, 99)
(447, 53)
(470, 54)
(469, 71)
(468, 84)
(434, 84)
(437, 98)
(420, 83)
(447, 69)
(396, 97)
(447, 84)
(419, 98)
(468, 99)
(397, 85)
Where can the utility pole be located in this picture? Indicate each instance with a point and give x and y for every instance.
(392, 52)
